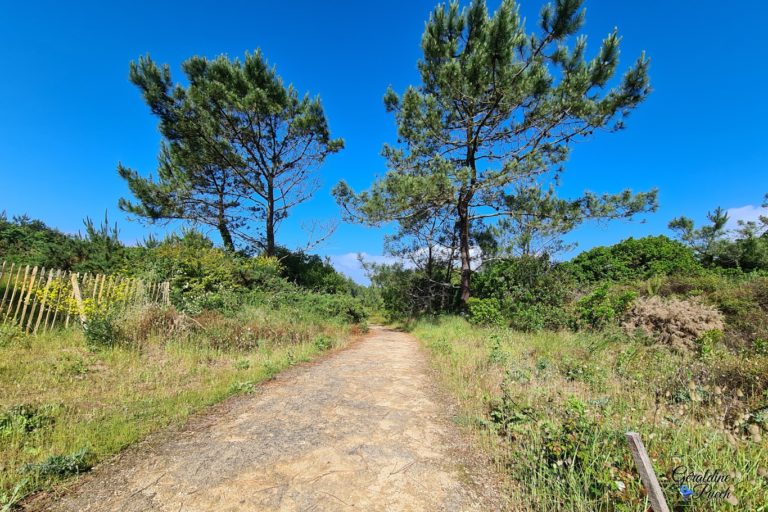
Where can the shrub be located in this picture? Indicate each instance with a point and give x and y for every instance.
(484, 311)
(328, 306)
(61, 466)
(523, 282)
(674, 322)
(10, 334)
(603, 307)
(25, 418)
(537, 317)
(632, 258)
(103, 330)
(323, 342)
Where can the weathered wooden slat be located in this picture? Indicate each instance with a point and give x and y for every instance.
(79, 299)
(101, 288)
(77, 276)
(27, 296)
(20, 301)
(648, 476)
(33, 301)
(13, 294)
(43, 301)
(7, 287)
(55, 305)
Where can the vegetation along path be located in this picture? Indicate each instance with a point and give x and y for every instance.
(363, 429)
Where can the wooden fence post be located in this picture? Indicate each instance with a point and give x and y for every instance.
(21, 294)
(13, 294)
(34, 299)
(78, 299)
(55, 306)
(7, 286)
(644, 466)
(32, 281)
(43, 301)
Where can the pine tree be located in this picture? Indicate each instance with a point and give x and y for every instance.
(497, 107)
(240, 146)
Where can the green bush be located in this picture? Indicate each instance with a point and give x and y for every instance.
(25, 418)
(103, 330)
(323, 343)
(484, 311)
(538, 317)
(343, 308)
(61, 466)
(603, 307)
(10, 334)
(633, 259)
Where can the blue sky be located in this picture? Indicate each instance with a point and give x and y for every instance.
(68, 114)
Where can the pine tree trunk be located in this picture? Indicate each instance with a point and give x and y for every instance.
(226, 236)
(464, 253)
(270, 228)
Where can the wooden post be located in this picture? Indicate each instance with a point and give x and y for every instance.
(7, 286)
(43, 301)
(13, 294)
(54, 306)
(108, 292)
(34, 300)
(32, 295)
(95, 285)
(78, 299)
(28, 295)
(644, 466)
(66, 323)
(21, 294)
(101, 287)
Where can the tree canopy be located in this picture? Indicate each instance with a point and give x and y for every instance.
(240, 148)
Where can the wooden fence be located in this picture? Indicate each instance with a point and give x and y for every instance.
(38, 299)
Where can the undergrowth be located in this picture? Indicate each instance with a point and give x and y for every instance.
(553, 408)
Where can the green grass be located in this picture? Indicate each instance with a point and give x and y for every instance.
(552, 410)
(65, 406)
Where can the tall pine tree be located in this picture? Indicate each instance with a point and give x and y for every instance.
(497, 107)
(241, 147)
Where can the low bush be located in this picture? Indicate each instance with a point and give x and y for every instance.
(10, 334)
(61, 466)
(103, 329)
(484, 311)
(603, 307)
(25, 418)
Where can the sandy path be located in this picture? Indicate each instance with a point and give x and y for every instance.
(363, 429)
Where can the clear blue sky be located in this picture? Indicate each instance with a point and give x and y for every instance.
(68, 113)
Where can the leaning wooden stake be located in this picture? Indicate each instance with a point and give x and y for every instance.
(644, 466)
(7, 287)
(44, 301)
(28, 296)
(13, 294)
(78, 298)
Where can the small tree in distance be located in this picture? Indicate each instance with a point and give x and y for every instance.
(241, 147)
(497, 108)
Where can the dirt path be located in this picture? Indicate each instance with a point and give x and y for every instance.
(363, 429)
